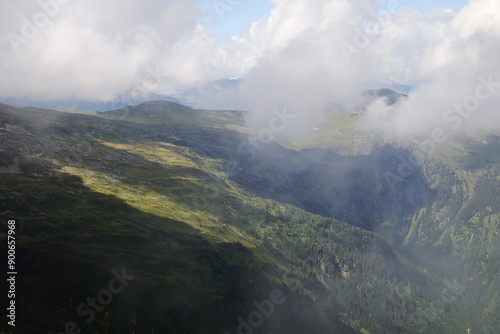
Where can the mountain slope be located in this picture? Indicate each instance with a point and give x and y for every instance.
(205, 241)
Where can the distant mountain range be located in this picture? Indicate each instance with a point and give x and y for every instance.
(218, 95)
(86, 106)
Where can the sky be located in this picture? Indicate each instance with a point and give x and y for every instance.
(232, 18)
(228, 18)
(430, 5)
(310, 56)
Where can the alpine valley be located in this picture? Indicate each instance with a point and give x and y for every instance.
(166, 219)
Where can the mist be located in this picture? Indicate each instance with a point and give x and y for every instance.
(460, 81)
(310, 57)
(340, 48)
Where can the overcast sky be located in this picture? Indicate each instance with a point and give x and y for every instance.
(305, 54)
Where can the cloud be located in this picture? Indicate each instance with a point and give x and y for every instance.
(96, 50)
(311, 56)
(303, 67)
(460, 88)
(317, 56)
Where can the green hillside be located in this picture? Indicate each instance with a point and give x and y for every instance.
(162, 192)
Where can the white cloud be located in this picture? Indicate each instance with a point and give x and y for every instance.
(97, 50)
(313, 56)
(325, 61)
(452, 69)
(303, 67)
(309, 55)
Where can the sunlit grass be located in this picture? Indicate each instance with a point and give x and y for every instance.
(149, 201)
(164, 153)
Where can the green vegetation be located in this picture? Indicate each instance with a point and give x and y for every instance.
(147, 189)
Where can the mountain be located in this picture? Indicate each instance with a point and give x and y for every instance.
(217, 95)
(323, 234)
(390, 96)
(89, 106)
(153, 111)
(388, 84)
